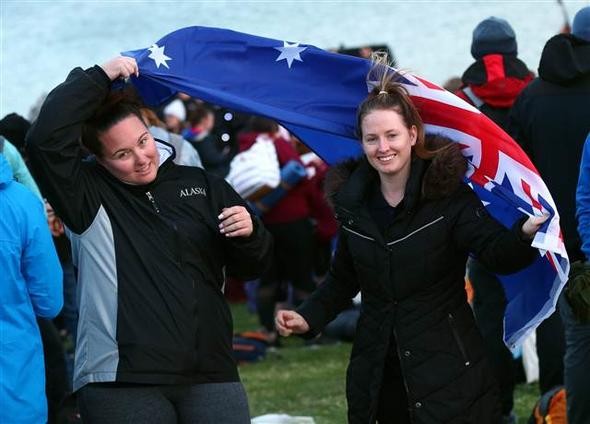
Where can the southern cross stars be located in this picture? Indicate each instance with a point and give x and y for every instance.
(157, 54)
(290, 52)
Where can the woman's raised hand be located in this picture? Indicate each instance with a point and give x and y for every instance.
(120, 67)
(235, 222)
(290, 322)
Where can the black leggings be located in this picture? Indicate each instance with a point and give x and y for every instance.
(158, 404)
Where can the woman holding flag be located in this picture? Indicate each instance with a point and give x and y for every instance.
(408, 222)
(152, 242)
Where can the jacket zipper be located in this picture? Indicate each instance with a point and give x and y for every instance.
(358, 234)
(458, 340)
(391, 243)
(152, 201)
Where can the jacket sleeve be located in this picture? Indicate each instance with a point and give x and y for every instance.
(40, 264)
(502, 250)
(335, 294)
(53, 142)
(583, 199)
(246, 257)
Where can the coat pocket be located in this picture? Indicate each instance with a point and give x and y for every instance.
(458, 340)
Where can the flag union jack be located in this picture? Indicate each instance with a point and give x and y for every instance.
(507, 182)
(314, 94)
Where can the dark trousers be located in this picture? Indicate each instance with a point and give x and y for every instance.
(158, 404)
(489, 304)
(343, 327)
(576, 364)
(551, 351)
(56, 385)
(292, 263)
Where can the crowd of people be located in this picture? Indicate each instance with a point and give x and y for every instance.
(147, 229)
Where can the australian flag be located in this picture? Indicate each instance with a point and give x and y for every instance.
(314, 94)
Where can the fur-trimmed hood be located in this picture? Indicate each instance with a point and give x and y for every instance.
(429, 179)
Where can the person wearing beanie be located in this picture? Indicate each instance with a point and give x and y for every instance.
(550, 120)
(492, 84)
(581, 25)
(493, 35)
(497, 76)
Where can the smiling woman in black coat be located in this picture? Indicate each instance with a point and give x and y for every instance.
(408, 223)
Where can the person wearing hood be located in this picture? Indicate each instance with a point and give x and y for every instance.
(31, 286)
(575, 315)
(492, 84)
(550, 120)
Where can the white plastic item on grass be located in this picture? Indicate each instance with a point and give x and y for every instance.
(530, 360)
(255, 168)
(282, 419)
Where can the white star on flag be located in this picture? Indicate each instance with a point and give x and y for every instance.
(157, 54)
(289, 52)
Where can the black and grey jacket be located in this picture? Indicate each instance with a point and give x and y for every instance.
(413, 299)
(150, 259)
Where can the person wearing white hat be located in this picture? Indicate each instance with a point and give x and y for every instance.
(174, 116)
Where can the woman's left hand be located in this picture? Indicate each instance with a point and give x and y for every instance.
(532, 225)
(235, 222)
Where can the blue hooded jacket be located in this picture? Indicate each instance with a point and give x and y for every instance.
(30, 285)
(583, 199)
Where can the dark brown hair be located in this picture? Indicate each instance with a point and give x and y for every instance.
(263, 125)
(198, 114)
(150, 118)
(388, 94)
(117, 106)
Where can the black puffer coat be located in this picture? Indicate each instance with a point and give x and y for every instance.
(412, 284)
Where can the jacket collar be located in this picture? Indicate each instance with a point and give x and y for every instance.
(350, 201)
(352, 195)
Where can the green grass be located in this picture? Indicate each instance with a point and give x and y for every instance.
(302, 380)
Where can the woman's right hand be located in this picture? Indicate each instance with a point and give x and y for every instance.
(120, 67)
(290, 322)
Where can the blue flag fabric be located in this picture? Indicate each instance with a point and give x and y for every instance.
(315, 93)
(263, 77)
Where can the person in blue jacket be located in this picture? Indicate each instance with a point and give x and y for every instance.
(583, 198)
(577, 333)
(30, 286)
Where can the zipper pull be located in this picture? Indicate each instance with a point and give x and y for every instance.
(152, 201)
